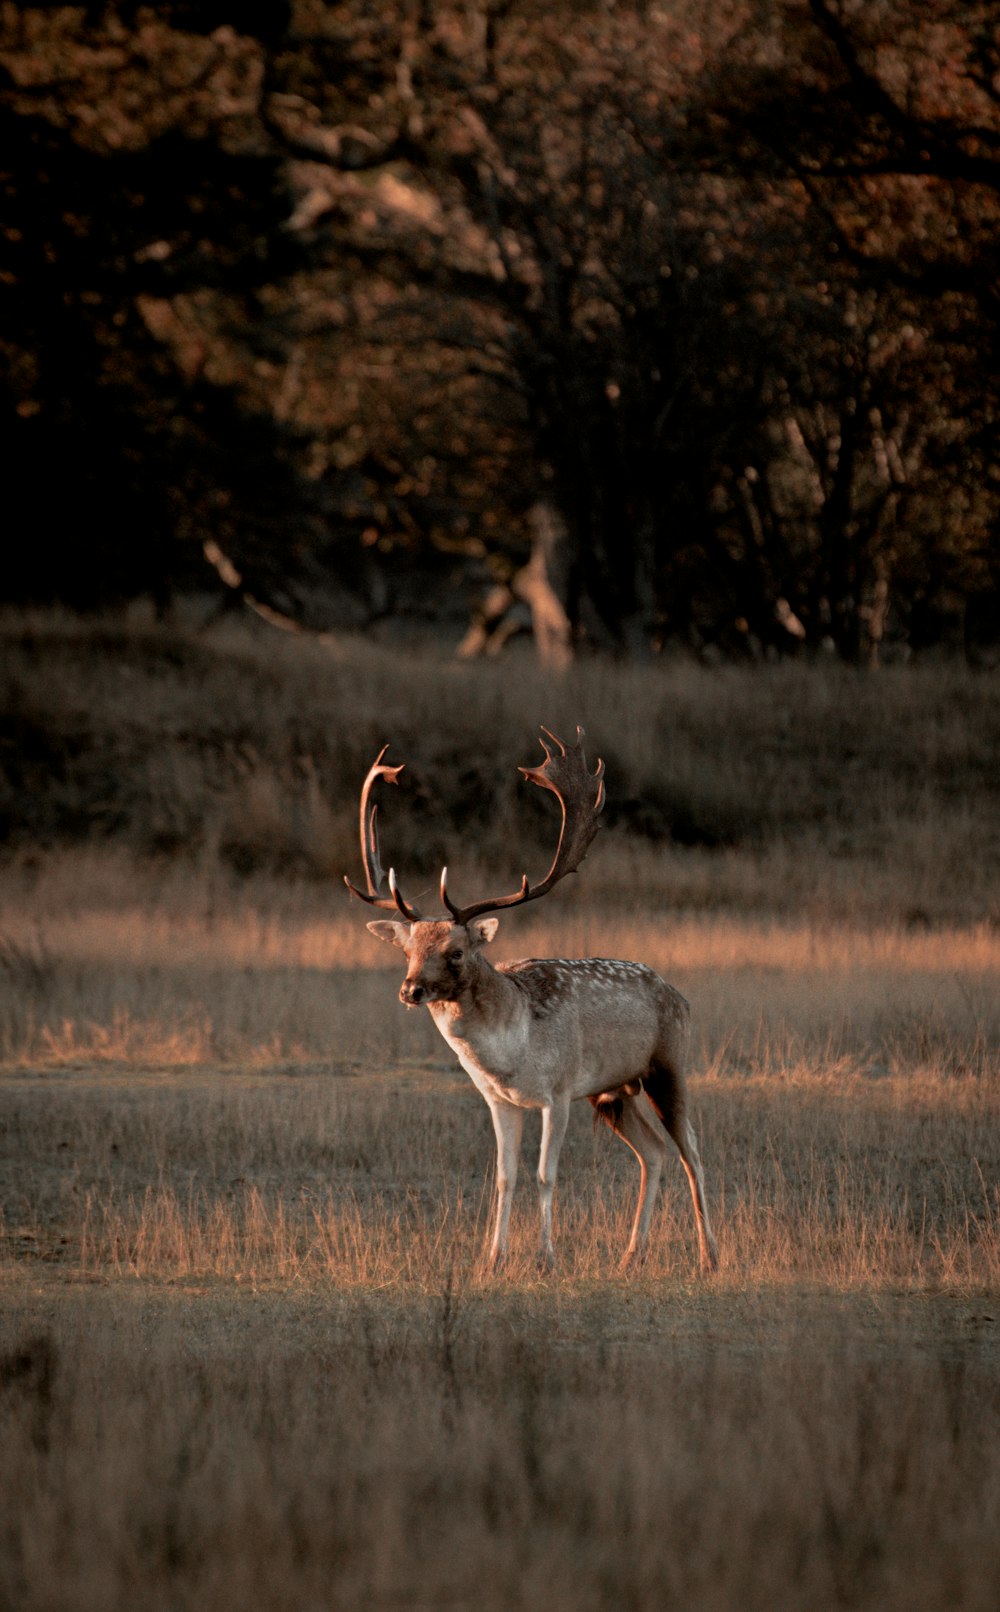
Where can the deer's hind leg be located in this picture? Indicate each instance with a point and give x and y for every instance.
(641, 1132)
(665, 1090)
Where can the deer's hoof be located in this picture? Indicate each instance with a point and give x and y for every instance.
(631, 1261)
(709, 1260)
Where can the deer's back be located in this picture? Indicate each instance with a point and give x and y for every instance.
(619, 1016)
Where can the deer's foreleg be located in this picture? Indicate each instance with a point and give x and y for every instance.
(554, 1121)
(507, 1123)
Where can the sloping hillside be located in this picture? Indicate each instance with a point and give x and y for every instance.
(785, 786)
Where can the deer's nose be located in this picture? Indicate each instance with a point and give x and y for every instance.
(411, 993)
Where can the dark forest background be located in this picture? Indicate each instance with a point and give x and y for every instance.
(637, 324)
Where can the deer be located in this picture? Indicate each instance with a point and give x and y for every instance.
(541, 1033)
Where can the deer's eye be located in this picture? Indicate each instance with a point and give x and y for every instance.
(456, 956)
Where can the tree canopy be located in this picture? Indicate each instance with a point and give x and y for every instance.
(645, 324)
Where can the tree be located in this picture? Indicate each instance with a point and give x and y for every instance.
(133, 186)
(886, 119)
(654, 326)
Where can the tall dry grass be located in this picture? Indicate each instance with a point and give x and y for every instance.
(307, 1452)
(836, 1180)
(103, 958)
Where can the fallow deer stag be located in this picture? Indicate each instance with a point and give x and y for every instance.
(539, 1033)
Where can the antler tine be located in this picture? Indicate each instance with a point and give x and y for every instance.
(375, 877)
(462, 914)
(565, 772)
(446, 900)
(397, 900)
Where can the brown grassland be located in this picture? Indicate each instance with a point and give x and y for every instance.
(249, 1354)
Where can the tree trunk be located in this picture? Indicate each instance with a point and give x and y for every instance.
(542, 585)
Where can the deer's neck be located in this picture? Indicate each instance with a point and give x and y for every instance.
(484, 1022)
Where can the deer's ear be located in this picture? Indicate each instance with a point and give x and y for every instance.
(390, 930)
(483, 930)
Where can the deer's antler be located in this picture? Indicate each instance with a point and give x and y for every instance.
(580, 793)
(375, 877)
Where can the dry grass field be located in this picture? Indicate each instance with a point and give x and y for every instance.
(249, 1352)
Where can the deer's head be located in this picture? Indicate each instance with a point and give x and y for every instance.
(441, 956)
